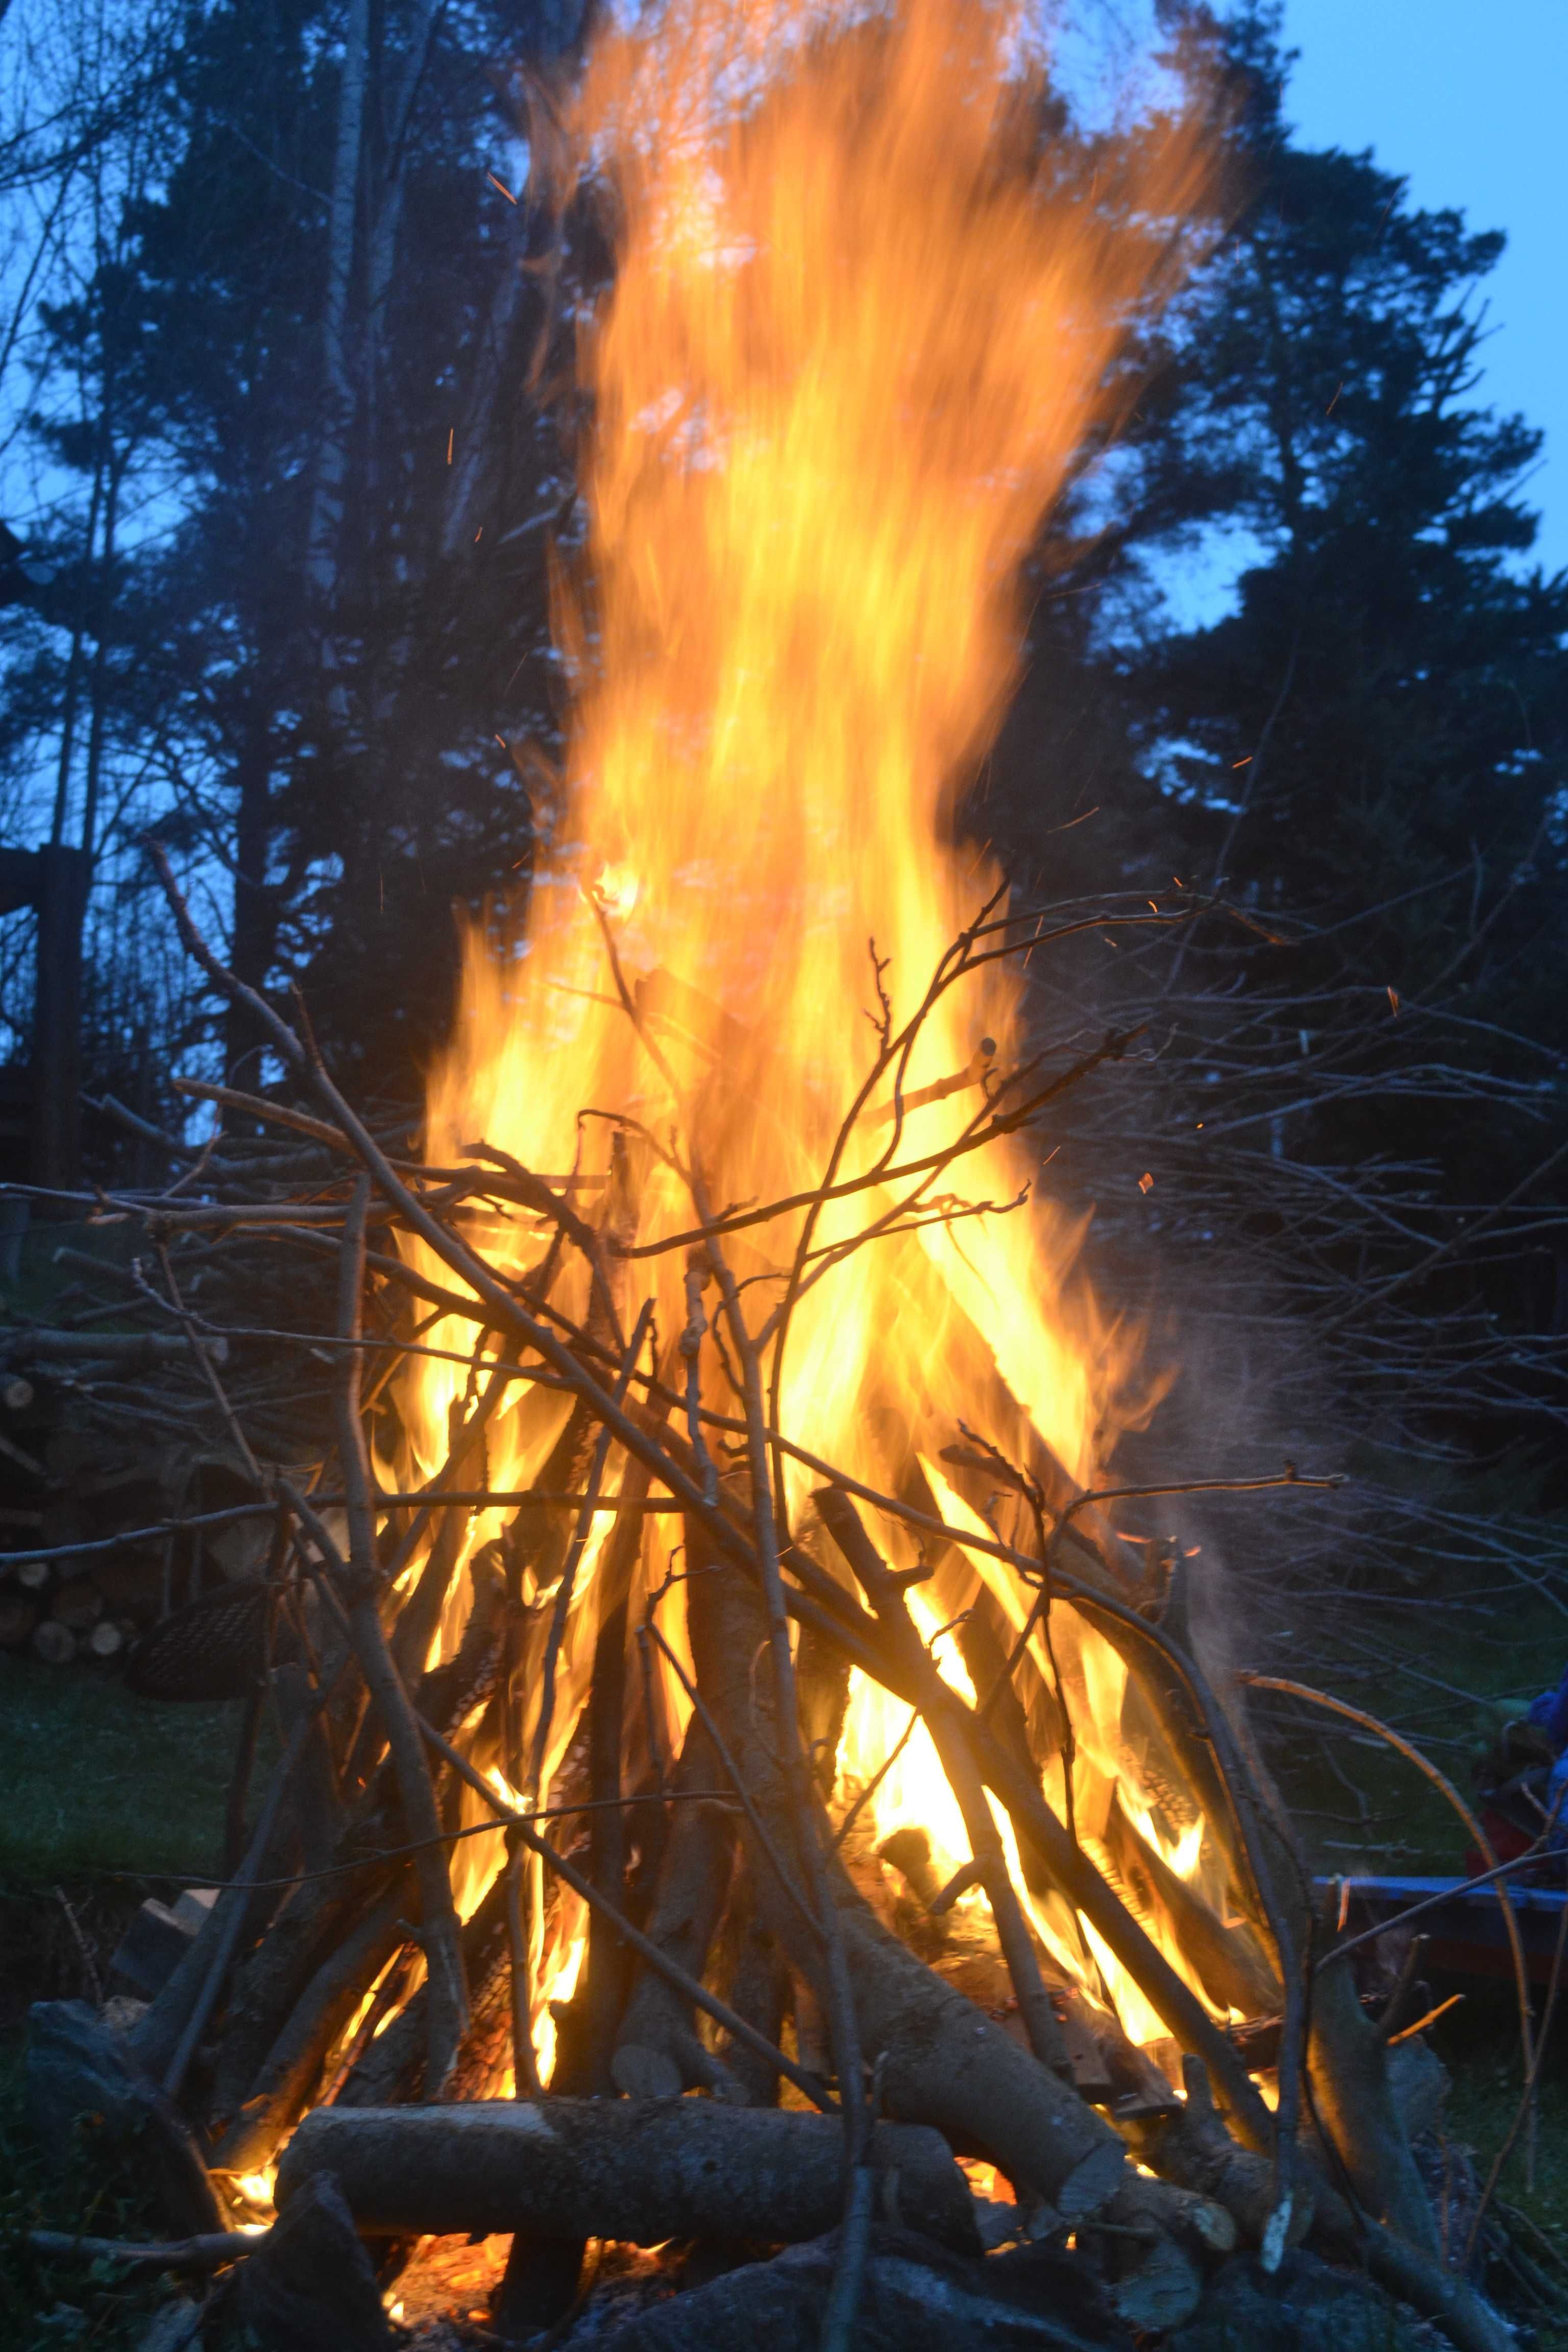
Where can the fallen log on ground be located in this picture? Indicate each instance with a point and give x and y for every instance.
(1035, 2300)
(644, 2170)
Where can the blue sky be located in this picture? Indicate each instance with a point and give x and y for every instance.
(1470, 102)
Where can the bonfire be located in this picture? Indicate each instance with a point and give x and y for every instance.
(743, 1788)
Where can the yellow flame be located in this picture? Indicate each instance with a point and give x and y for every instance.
(616, 890)
(558, 1983)
(255, 2191)
(864, 319)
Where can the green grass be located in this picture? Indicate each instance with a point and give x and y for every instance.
(93, 1779)
(1478, 2043)
(50, 2304)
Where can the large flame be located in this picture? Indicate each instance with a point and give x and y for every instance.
(863, 321)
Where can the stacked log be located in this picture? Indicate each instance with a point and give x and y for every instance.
(60, 1617)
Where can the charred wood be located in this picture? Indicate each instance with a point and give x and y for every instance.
(941, 2062)
(657, 2049)
(642, 2170)
(293, 2064)
(914, 2300)
(310, 2288)
(389, 2068)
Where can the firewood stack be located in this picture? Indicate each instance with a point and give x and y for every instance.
(564, 1916)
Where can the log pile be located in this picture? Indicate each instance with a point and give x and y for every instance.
(120, 1508)
(776, 2030)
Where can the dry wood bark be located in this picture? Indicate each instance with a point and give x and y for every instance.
(756, 1981)
(643, 2170)
(320, 1913)
(657, 2049)
(294, 2062)
(309, 2286)
(941, 2061)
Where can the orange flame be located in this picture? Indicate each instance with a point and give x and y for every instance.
(865, 318)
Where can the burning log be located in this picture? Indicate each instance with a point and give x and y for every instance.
(658, 2050)
(941, 2062)
(639, 2169)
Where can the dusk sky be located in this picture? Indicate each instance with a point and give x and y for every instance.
(1470, 102)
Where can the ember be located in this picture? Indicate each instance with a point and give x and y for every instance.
(876, 1774)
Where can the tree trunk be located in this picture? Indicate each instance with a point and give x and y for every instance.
(325, 526)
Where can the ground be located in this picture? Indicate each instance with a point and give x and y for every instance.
(107, 1797)
(103, 1794)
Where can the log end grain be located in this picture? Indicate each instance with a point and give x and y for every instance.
(77, 1603)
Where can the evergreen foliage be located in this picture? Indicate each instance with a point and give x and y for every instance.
(287, 376)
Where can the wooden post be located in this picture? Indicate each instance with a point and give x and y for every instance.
(54, 881)
(63, 877)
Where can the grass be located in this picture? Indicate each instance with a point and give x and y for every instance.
(1478, 2043)
(103, 1797)
(60, 2302)
(96, 1780)
(1359, 1808)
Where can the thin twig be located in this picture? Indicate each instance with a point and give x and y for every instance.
(1446, 1788)
(212, 2250)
